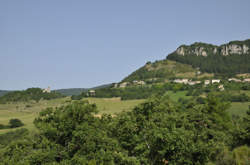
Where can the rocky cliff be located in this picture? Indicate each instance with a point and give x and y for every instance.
(203, 49)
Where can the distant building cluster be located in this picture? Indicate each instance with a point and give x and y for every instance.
(182, 81)
(186, 81)
(238, 80)
(46, 90)
(125, 84)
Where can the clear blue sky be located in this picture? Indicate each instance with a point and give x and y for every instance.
(84, 43)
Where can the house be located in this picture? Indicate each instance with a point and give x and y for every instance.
(194, 82)
(91, 93)
(215, 81)
(46, 90)
(207, 82)
(135, 82)
(123, 85)
(221, 87)
(115, 85)
(141, 83)
(234, 79)
(181, 81)
(246, 80)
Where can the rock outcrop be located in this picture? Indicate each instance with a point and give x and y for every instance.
(234, 49)
(203, 49)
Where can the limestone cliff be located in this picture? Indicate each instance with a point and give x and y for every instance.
(203, 49)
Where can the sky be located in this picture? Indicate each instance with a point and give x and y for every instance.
(86, 43)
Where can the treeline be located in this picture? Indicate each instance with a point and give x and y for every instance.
(216, 63)
(234, 92)
(158, 131)
(35, 94)
(135, 92)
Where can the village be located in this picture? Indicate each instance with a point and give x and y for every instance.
(184, 81)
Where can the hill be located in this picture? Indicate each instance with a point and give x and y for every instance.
(197, 60)
(228, 59)
(163, 70)
(71, 91)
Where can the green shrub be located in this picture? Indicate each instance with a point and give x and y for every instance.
(14, 123)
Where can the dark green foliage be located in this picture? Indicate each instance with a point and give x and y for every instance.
(14, 123)
(9, 137)
(226, 96)
(30, 94)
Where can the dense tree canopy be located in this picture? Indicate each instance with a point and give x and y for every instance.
(216, 63)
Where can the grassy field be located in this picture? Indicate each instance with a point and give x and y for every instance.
(238, 108)
(27, 112)
(113, 105)
(176, 95)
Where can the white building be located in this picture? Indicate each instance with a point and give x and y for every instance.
(234, 79)
(246, 80)
(221, 87)
(46, 90)
(123, 85)
(181, 81)
(141, 83)
(215, 81)
(207, 82)
(91, 93)
(194, 82)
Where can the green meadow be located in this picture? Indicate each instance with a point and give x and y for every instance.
(27, 112)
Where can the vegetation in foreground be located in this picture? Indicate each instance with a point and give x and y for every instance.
(158, 131)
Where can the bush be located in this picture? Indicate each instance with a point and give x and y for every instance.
(8, 137)
(14, 123)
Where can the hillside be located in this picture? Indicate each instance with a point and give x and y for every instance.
(229, 59)
(78, 91)
(164, 70)
(71, 91)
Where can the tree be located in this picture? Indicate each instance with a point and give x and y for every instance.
(14, 123)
